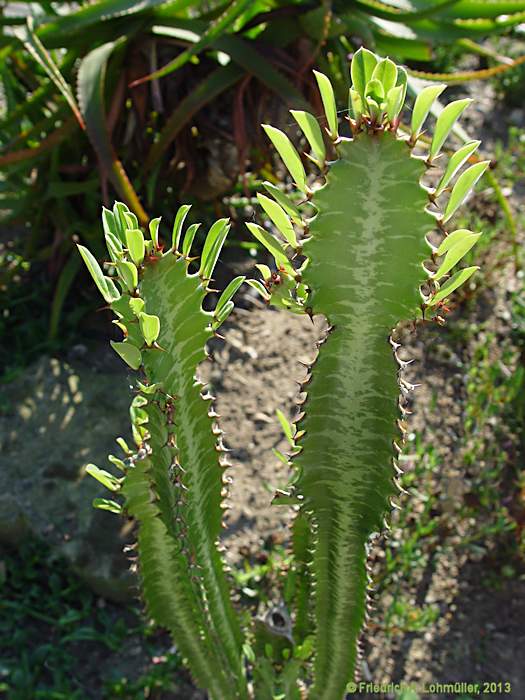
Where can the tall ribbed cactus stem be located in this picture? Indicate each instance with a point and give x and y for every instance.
(366, 265)
(173, 482)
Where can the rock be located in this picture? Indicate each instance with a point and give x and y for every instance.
(53, 421)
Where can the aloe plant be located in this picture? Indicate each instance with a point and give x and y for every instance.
(353, 246)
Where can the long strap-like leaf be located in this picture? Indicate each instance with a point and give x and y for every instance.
(91, 77)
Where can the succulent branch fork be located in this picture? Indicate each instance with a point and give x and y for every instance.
(363, 260)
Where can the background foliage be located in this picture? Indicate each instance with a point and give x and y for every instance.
(156, 102)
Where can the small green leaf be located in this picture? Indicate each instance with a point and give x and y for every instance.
(452, 239)
(106, 504)
(228, 293)
(452, 284)
(154, 230)
(288, 428)
(402, 79)
(279, 218)
(117, 462)
(136, 304)
(97, 274)
(177, 225)
(129, 274)
(386, 72)
(265, 271)
(111, 234)
(463, 186)
(123, 446)
(361, 69)
(189, 237)
(454, 164)
(311, 129)
(114, 247)
(119, 210)
(121, 306)
(150, 327)
(104, 477)
(280, 456)
(455, 254)
(128, 352)
(212, 247)
(373, 108)
(135, 245)
(148, 388)
(328, 98)
(289, 207)
(394, 103)
(274, 246)
(260, 288)
(223, 314)
(375, 90)
(445, 122)
(356, 104)
(112, 290)
(422, 107)
(288, 154)
(131, 220)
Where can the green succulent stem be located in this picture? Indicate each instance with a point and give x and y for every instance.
(363, 261)
(174, 484)
(367, 267)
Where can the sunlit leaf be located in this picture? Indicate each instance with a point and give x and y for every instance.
(222, 315)
(260, 288)
(286, 203)
(422, 107)
(128, 352)
(311, 129)
(328, 98)
(288, 428)
(361, 69)
(454, 164)
(135, 244)
(375, 90)
(106, 504)
(212, 247)
(104, 477)
(463, 186)
(270, 243)
(180, 216)
(453, 239)
(264, 270)
(356, 104)
(129, 274)
(386, 72)
(154, 230)
(150, 327)
(445, 122)
(455, 254)
(97, 274)
(228, 293)
(289, 155)
(279, 218)
(394, 102)
(136, 304)
(452, 284)
(189, 237)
